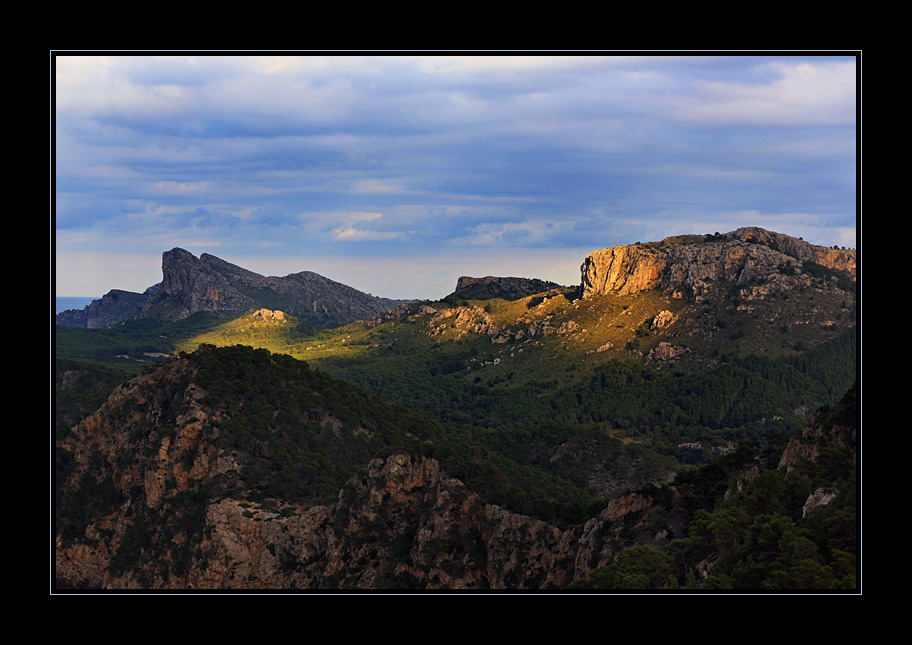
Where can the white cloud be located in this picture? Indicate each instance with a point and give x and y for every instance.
(370, 186)
(102, 85)
(806, 93)
(489, 152)
(319, 65)
(359, 235)
(178, 187)
(505, 63)
(321, 221)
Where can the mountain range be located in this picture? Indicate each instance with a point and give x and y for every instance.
(650, 428)
(210, 284)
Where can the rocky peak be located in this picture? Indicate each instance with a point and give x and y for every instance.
(688, 263)
(195, 284)
(496, 287)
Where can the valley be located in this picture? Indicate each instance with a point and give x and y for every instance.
(515, 434)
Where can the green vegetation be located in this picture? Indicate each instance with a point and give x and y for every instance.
(305, 459)
(632, 421)
(79, 388)
(762, 538)
(132, 345)
(543, 422)
(289, 453)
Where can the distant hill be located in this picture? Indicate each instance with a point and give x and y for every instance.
(491, 287)
(190, 285)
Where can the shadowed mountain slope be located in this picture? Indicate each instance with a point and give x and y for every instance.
(210, 284)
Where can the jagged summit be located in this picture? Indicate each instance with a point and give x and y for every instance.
(208, 283)
(688, 263)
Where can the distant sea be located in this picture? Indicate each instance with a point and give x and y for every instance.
(72, 302)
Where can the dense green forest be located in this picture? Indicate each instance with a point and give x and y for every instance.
(747, 397)
(312, 463)
(761, 538)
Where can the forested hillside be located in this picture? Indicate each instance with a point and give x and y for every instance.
(144, 484)
(791, 527)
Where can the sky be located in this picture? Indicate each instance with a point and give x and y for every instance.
(397, 174)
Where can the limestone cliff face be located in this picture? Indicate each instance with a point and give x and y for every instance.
(689, 263)
(838, 259)
(622, 269)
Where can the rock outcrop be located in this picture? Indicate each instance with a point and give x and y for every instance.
(459, 319)
(830, 427)
(114, 307)
(190, 285)
(495, 287)
(689, 263)
(665, 352)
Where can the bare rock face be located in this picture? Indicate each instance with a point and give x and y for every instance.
(820, 497)
(190, 284)
(838, 259)
(689, 263)
(665, 352)
(404, 520)
(622, 269)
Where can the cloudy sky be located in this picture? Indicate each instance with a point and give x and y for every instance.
(398, 174)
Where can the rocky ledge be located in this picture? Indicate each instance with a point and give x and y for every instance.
(496, 287)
